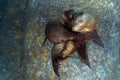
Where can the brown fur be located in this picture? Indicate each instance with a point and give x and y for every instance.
(56, 33)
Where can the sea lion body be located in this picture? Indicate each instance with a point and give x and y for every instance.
(56, 33)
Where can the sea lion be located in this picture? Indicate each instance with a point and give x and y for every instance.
(82, 36)
(71, 36)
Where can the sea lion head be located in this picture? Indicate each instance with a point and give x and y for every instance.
(83, 22)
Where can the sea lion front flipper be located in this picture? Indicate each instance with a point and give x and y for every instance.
(81, 50)
(55, 65)
(97, 39)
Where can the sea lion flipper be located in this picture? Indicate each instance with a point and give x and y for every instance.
(97, 39)
(55, 66)
(81, 50)
(55, 63)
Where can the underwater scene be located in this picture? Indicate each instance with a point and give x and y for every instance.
(59, 39)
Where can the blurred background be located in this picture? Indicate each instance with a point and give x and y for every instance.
(22, 24)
